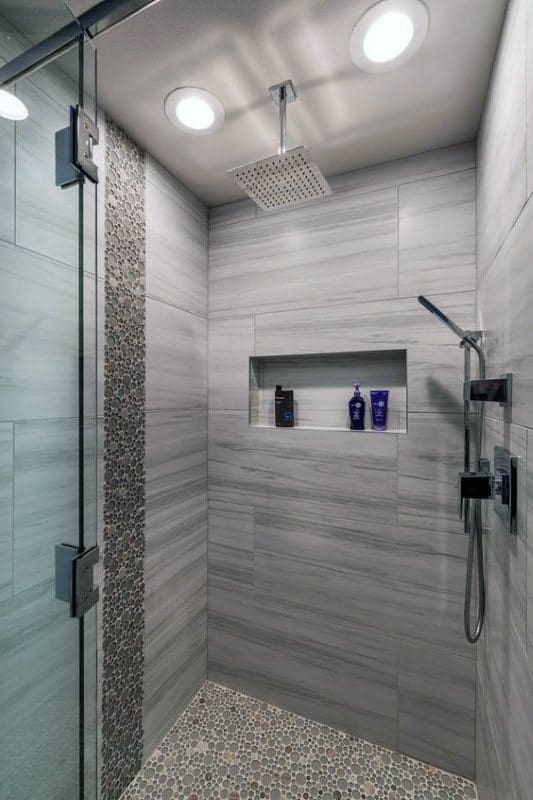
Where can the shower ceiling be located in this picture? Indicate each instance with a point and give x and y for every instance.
(236, 49)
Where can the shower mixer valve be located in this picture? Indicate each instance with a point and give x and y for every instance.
(500, 486)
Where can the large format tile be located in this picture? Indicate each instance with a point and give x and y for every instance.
(39, 340)
(529, 577)
(324, 472)
(436, 708)
(502, 142)
(176, 247)
(176, 358)
(529, 99)
(398, 581)
(435, 378)
(505, 296)
(6, 510)
(46, 215)
(344, 677)
(7, 180)
(365, 326)
(341, 250)
(437, 235)
(231, 342)
(430, 458)
(46, 497)
(231, 546)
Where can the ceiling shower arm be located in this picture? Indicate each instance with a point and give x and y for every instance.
(282, 119)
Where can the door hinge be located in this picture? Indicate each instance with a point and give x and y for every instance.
(74, 577)
(74, 149)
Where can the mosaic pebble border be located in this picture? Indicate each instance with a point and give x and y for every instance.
(227, 746)
(124, 451)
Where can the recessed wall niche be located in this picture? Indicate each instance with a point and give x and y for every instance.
(323, 385)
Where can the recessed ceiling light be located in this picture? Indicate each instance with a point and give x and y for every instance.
(11, 107)
(388, 34)
(194, 110)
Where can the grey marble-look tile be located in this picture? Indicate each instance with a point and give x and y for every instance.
(529, 98)
(364, 326)
(45, 497)
(231, 342)
(337, 675)
(437, 235)
(46, 215)
(7, 180)
(6, 510)
(38, 343)
(176, 247)
(163, 181)
(175, 667)
(328, 472)
(405, 170)
(505, 293)
(529, 579)
(228, 213)
(176, 358)
(502, 143)
(490, 781)
(436, 708)
(341, 250)
(231, 546)
(175, 567)
(435, 379)
(430, 458)
(393, 580)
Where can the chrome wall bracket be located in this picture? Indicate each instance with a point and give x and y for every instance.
(74, 149)
(74, 577)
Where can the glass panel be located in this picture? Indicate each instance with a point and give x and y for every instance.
(47, 279)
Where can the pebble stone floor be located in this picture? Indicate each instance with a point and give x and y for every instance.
(227, 746)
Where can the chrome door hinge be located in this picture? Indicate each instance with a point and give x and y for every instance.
(74, 149)
(74, 577)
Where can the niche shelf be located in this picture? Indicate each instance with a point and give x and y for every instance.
(323, 385)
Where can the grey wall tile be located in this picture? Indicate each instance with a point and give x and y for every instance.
(6, 510)
(436, 708)
(175, 567)
(228, 213)
(437, 235)
(502, 140)
(46, 497)
(366, 326)
(435, 379)
(231, 342)
(274, 262)
(505, 302)
(397, 581)
(529, 577)
(7, 180)
(176, 358)
(337, 675)
(429, 460)
(413, 168)
(176, 246)
(39, 344)
(231, 546)
(164, 182)
(529, 98)
(46, 215)
(294, 469)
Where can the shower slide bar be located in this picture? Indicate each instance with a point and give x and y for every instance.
(91, 23)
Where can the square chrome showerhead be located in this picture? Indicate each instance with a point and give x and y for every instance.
(283, 181)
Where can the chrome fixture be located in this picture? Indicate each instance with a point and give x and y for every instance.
(289, 178)
(479, 484)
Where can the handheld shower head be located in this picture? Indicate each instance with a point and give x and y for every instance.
(442, 316)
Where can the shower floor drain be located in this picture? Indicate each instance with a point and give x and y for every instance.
(227, 746)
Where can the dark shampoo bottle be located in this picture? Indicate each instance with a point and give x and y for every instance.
(284, 402)
(356, 407)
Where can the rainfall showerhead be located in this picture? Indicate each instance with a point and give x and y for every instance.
(287, 179)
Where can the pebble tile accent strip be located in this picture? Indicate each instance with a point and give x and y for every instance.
(230, 747)
(124, 451)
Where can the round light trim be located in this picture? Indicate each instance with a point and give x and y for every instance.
(11, 107)
(388, 34)
(194, 110)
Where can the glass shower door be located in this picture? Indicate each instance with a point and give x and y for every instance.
(47, 440)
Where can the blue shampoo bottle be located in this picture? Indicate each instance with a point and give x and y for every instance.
(356, 407)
